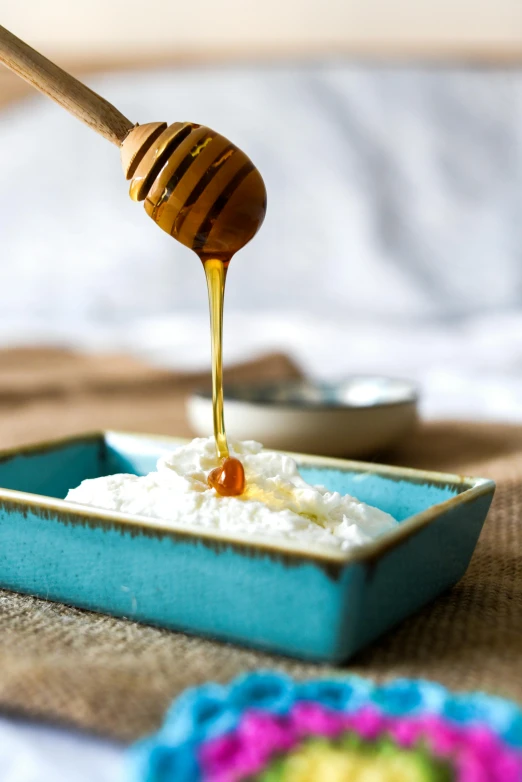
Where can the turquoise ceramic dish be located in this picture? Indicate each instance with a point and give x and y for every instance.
(279, 597)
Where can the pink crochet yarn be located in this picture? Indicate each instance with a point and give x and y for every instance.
(475, 753)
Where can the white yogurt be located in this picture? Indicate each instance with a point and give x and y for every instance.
(277, 502)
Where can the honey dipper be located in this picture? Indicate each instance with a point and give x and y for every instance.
(197, 186)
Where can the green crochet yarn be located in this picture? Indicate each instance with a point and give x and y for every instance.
(353, 759)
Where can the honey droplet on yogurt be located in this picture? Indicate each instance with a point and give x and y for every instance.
(228, 479)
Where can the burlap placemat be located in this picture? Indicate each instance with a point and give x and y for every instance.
(117, 678)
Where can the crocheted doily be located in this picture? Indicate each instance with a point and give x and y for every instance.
(265, 727)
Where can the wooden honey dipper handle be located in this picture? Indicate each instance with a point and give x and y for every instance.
(70, 93)
(197, 186)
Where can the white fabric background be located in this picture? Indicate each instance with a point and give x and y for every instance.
(392, 244)
(39, 753)
(392, 241)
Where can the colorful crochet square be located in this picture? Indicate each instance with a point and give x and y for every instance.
(265, 727)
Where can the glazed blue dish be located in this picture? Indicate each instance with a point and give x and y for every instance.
(277, 596)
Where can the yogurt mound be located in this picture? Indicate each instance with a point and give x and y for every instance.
(277, 502)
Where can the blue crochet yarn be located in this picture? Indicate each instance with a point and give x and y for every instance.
(273, 692)
(159, 762)
(338, 694)
(512, 733)
(404, 696)
(504, 717)
(201, 713)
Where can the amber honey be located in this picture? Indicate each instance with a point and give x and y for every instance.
(229, 478)
(216, 273)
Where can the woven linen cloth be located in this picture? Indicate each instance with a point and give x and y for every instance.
(117, 678)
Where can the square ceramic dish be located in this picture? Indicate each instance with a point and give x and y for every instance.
(275, 596)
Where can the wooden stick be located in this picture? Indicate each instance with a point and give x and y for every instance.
(70, 93)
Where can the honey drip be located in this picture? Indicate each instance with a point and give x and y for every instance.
(229, 478)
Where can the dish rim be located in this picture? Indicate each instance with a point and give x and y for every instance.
(411, 399)
(474, 487)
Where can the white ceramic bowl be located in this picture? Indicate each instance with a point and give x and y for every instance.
(356, 417)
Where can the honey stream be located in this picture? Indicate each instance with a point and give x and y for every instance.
(229, 478)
